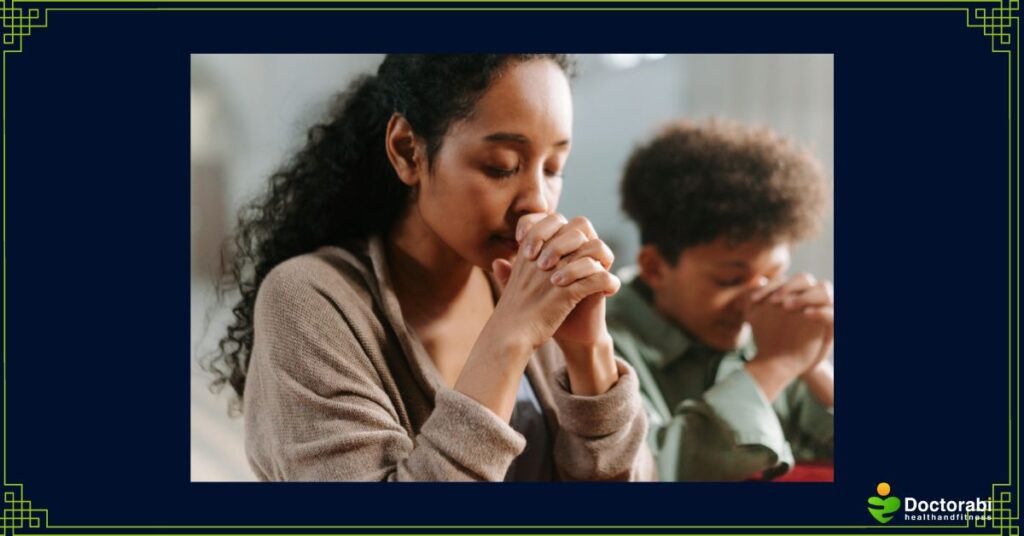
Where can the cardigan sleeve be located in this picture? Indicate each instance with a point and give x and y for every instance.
(316, 408)
(602, 437)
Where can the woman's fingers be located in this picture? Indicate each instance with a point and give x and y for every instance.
(570, 237)
(600, 281)
(584, 226)
(586, 276)
(526, 222)
(572, 247)
(575, 270)
(564, 243)
(595, 249)
(539, 235)
(502, 271)
(541, 231)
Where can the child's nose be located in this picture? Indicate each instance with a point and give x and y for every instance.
(743, 300)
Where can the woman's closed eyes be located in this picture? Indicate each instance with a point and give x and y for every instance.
(500, 172)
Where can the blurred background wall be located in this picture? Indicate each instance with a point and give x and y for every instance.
(249, 112)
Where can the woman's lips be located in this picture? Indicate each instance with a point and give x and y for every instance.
(509, 242)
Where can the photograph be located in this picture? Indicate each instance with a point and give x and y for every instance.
(526, 267)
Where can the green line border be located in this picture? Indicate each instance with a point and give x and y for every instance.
(959, 2)
(1006, 9)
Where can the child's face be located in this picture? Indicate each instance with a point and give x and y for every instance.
(706, 291)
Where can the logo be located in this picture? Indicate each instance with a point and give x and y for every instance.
(883, 506)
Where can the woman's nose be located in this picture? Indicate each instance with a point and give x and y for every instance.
(532, 195)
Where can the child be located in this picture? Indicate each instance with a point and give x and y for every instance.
(719, 206)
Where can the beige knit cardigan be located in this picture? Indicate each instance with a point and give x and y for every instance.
(340, 388)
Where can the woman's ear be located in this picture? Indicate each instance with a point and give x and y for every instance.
(403, 149)
(652, 266)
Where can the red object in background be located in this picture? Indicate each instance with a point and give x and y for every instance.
(815, 471)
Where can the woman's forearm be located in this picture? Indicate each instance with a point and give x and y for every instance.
(493, 371)
(592, 370)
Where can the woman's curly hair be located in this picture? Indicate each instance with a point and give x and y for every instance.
(341, 185)
(697, 182)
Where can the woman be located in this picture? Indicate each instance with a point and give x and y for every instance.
(370, 341)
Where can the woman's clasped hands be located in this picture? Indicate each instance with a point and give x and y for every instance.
(556, 284)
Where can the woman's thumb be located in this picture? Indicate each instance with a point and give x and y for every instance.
(502, 270)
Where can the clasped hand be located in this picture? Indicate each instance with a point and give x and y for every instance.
(793, 320)
(557, 283)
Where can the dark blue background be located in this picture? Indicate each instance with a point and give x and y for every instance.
(98, 245)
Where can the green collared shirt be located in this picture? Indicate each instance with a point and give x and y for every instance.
(709, 419)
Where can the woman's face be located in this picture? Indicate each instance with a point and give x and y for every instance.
(503, 161)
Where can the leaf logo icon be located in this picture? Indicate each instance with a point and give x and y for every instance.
(882, 509)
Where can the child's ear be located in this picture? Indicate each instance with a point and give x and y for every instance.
(403, 150)
(652, 266)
